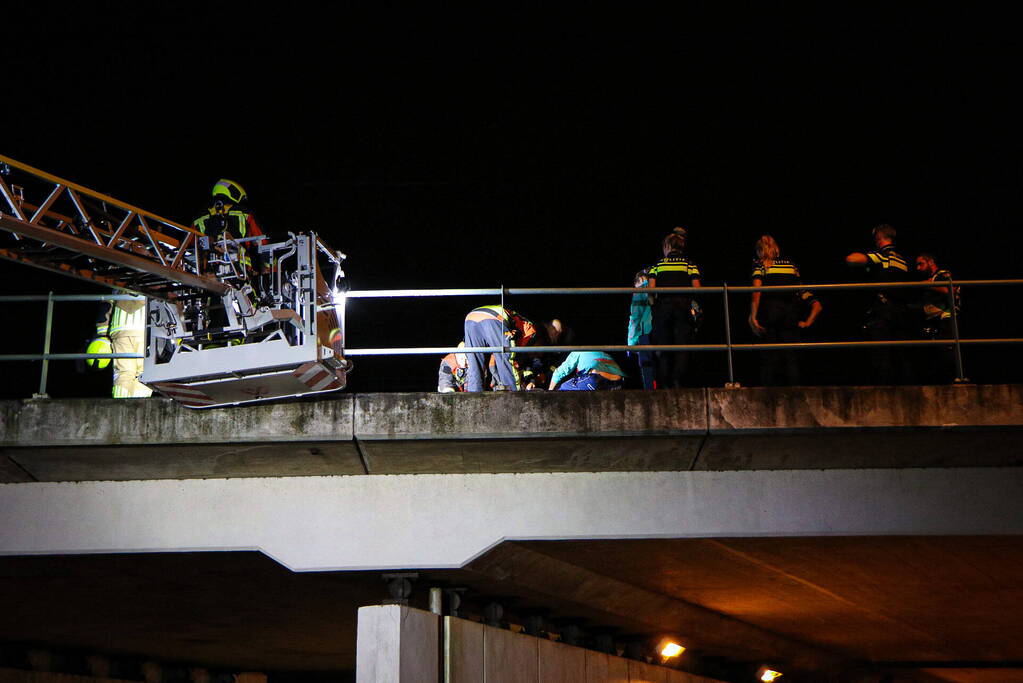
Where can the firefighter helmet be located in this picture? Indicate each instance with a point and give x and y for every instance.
(98, 345)
(231, 191)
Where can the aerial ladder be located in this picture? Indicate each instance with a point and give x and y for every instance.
(212, 337)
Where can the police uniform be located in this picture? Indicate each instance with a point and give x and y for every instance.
(495, 326)
(938, 363)
(937, 310)
(672, 318)
(779, 313)
(887, 315)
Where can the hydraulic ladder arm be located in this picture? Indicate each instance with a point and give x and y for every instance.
(71, 230)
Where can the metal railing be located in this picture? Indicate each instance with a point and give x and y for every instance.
(728, 347)
(46, 356)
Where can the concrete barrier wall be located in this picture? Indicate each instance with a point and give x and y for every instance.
(382, 434)
(510, 415)
(398, 644)
(605, 668)
(475, 653)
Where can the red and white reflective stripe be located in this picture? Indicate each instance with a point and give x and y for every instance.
(317, 377)
(184, 394)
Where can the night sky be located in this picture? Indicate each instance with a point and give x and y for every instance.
(543, 147)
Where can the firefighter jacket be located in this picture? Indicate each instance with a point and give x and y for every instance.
(451, 376)
(122, 317)
(233, 220)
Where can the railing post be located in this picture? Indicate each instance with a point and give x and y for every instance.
(46, 347)
(958, 349)
(343, 321)
(728, 341)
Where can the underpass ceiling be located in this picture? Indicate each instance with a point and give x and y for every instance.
(937, 600)
(935, 608)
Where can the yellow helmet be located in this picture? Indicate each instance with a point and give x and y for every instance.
(98, 345)
(231, 191)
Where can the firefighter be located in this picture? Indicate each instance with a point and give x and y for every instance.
(121, 328)
(229, 218)
(452, 374)
(498, 326)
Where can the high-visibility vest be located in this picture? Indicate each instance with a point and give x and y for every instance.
(519, 330)
(235, 222)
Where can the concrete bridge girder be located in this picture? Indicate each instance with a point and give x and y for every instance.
(321, 523)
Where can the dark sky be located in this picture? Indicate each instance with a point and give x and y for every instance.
(541, 147)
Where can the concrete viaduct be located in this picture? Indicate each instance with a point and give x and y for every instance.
(848, 533)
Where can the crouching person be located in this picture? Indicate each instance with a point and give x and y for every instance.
(452, 375)
(588, 371)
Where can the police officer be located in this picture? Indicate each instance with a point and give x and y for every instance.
(886, 317)
(778, 317)
(672, 316)
(935, 314)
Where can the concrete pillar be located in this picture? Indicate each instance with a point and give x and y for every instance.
(397, 644)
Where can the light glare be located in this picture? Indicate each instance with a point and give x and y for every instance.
(770, 675)
(671, 649)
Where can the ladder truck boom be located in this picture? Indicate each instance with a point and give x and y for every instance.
(214, 335)
(71, 230)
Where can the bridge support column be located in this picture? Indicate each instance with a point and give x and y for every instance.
(397, 644)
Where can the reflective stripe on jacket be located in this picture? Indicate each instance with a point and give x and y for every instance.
(128, 317)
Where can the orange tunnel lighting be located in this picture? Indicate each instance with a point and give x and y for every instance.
(668, 648)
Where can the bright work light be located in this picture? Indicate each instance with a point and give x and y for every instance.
(668, 648)
(768, 675)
